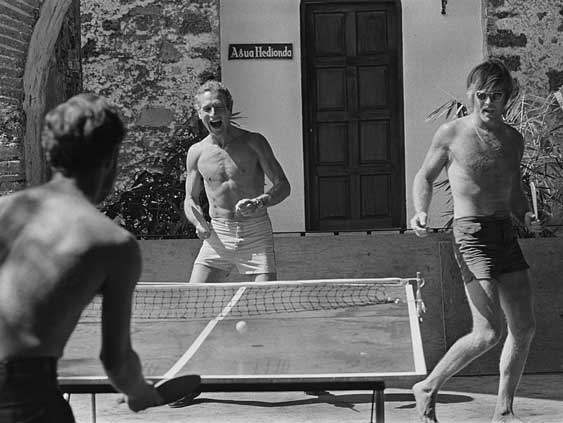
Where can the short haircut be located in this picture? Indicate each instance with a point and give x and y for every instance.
(214, 86)
(489, 75)
(82, 133)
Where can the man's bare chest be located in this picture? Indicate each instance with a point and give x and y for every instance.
(486, 156)
(221, 165)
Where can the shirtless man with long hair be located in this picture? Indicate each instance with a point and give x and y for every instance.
(481, 155)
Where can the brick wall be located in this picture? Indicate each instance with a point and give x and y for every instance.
(17, 18)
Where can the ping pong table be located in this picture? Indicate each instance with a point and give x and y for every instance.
(315, 335)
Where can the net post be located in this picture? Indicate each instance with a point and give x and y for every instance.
(420, 306)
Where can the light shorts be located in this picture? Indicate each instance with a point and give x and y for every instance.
(247, 244)
(486, 246)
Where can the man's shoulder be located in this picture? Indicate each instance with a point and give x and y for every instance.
(512, 132)
(198, 146)
(80, 218)
(255, 140)
(449, 131)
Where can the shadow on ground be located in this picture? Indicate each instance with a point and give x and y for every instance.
(342, 401)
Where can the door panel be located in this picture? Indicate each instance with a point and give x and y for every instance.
(352, 98)
(374, 141)
(331, 89)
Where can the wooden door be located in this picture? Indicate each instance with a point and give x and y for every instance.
(352, 95)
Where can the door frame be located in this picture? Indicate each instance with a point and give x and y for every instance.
(306, 106)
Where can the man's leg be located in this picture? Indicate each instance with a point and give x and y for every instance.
(516, 298)
(203, 274)
(483, 298)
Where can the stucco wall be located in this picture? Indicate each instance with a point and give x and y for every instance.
(148, 56)
(268, 92)
(437, 54)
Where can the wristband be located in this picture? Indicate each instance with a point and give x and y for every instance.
(259, 203)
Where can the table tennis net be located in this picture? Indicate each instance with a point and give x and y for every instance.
(205, 301)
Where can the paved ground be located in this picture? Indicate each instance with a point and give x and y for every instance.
(463, 400)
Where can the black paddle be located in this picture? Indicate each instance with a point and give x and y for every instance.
(172, 390)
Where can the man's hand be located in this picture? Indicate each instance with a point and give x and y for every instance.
(419, 224)
(202, 231)
(248, 206)
(202, 228)
(533, 224)
(145, 398)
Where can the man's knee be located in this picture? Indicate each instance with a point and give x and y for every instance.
(487, 337)
(524, 333)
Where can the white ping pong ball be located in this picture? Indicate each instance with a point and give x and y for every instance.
(241, 326)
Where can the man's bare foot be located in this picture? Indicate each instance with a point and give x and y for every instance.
(507, 417)
(425, 403)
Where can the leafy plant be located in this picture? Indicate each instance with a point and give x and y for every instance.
(153, 205)
(539, 121)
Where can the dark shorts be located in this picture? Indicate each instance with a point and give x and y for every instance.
(29, 392)
(486, 246)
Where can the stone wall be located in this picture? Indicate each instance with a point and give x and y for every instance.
(528, 36)
(148, 57)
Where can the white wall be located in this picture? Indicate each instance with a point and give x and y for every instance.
(438, 52)
(268, 92)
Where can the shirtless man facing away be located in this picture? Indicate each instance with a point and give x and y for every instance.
(231, 163)
(56, 252)
(481, 155)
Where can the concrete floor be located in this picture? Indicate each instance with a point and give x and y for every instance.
(464, 399)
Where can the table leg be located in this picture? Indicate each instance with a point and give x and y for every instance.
(380, 406)
(93, 402)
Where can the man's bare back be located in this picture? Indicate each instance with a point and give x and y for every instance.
(55, 248)
(56, 252)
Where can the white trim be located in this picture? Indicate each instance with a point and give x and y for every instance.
(202, 336)
(418, 352)
(333, 377)
(383, 281)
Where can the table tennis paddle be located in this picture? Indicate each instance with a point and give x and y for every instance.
(172, 390)
(200, 218)
(534, 200)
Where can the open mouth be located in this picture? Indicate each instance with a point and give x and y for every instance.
(215, 124)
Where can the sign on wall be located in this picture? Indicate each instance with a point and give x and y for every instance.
(261, 51)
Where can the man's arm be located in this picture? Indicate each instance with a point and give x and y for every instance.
(435, 160)
(194, 185)
(120, 361)
(280, 189)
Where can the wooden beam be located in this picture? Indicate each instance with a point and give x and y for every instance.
(40, 53)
